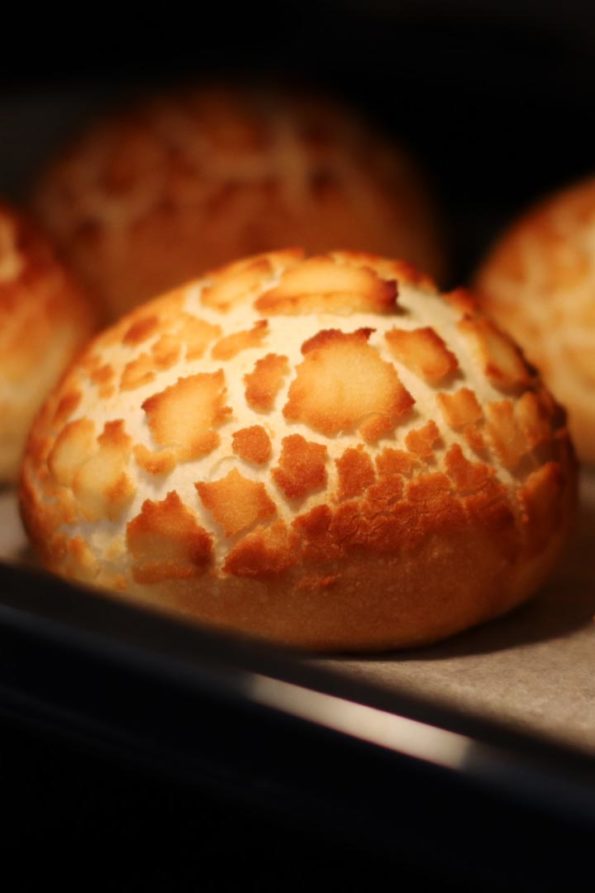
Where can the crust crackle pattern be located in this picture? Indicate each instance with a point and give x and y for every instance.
(171, 187)
(323, 451)
(539, 283)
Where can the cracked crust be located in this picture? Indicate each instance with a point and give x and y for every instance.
(172, 187)
(354, 479)
(538, 283)
(44, 321)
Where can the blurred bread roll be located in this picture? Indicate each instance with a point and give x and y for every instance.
(171, 187)
(538, 283)
(322, 451)
(44, 320)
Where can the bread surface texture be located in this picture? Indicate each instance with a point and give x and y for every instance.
(170, 187)
(538, 283)
(318, 450)
(44, 320)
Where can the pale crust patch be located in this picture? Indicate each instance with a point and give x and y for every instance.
(343, 385)
(302, 467)
(423, 352)
(185, 415)
(499, 357)
(265, 381)
(236, 503)
(356, 472)
(252, 444)
(167, 543)
(320, 285)
(232, 345)
(101, 485)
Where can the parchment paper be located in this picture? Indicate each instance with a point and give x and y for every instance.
(534, 669)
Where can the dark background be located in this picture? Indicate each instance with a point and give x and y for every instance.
(497, 100)
(494, 97)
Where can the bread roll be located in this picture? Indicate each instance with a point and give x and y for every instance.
(538, 283)
(321, 451)
(44, 320)
(171, 187)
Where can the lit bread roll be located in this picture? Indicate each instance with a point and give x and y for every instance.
(170, 188)
(324, 452)
(539, 284)
(44, 320)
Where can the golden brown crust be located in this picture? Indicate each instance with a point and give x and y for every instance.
(231, 345)
(424, 352)
(308, 495)
(302, 467)
(153, 196)
(166, 543)
(264, 382)
(185, 415)
(236, 503)
(356, 472)
(373, 402)
(252, 444)
(538, 283)
(320, 284)
(44, 321)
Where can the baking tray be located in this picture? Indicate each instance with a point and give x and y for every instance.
(472, 760)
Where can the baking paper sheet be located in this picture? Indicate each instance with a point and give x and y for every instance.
(534, 669)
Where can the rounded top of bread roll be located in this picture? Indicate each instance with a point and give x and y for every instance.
(171, 187)
(538, 282)
(322, 451)
(44, 320)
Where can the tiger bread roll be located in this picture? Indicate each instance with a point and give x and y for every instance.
(538, 282)
(322, 451)
(164, 190)
(44, 320)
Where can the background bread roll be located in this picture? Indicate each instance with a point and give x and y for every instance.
(538, 282)
(171, 187)
(323, 452)
(44, 320)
